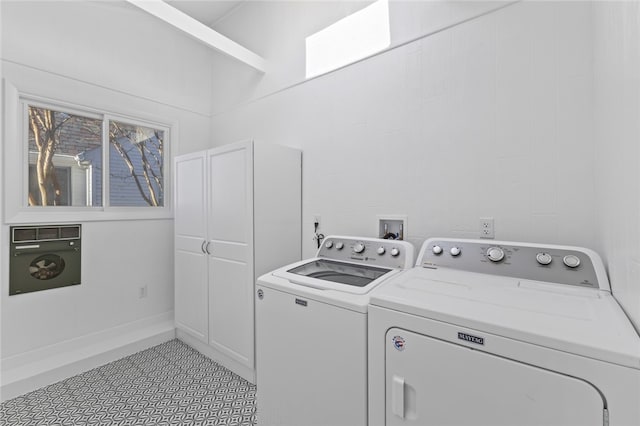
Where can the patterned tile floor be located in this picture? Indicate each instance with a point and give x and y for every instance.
(169, 384)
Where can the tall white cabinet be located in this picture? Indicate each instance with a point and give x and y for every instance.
(237, 216)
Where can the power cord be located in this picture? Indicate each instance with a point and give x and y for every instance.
(316, 236)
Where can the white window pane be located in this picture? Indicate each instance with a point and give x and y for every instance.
(348, 40)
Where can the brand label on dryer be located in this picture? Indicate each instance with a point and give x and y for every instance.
(399, 342)
(471, 338)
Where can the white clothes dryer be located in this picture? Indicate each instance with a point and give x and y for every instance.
(311, 332)
(498, 333)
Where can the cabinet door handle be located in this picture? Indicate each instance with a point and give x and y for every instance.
(202, 247)
(206, 248)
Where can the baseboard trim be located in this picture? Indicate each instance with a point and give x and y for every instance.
(33, 370)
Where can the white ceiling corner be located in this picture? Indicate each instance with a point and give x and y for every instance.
(206, 11)
(192, 17)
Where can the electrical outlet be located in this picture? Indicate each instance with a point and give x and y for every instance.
(486, 227)
(142, 292)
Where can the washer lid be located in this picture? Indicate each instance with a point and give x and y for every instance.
(339, 272)
(581, 321)
(325, 274)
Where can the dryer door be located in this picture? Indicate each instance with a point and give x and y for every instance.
(433, 382)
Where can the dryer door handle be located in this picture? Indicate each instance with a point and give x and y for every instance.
(397, 396)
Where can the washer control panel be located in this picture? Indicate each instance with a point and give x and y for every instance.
(549, 263)
(370, 251)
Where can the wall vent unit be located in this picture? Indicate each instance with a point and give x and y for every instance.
(44, 257)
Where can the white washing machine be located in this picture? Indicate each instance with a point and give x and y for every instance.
(311, 332)
(496, 333)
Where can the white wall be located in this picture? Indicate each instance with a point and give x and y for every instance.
(617, 118)
(276, 30)
(491, 117)
(117, 258)
(112, 45)
(114, 57)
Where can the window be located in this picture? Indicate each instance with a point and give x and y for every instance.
(58, 140)
(89, 159)
(136, 164)
(352, 38)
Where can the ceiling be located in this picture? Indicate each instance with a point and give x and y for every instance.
(203, 15)
(207, 12)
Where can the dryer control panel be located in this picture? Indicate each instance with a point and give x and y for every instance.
(369, 251)
(556, 264)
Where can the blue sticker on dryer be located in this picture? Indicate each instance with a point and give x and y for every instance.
(399, 342)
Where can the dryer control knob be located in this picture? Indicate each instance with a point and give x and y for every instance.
(455, 251)
(339, 246)
(495, 254)
(381, 250)
(358, 248)
(395, 251)
(436, 249)
(544, 258)
(571, 261)
(328, 244)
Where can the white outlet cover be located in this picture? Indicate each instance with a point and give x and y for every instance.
(487, 228)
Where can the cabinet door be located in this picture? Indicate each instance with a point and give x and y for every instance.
(191, 289)
(231, 251)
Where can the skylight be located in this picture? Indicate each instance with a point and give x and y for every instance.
(352, 38)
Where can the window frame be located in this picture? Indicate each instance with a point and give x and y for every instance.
(142, 123)
(332, 39)
(25, 103)
(16, 163)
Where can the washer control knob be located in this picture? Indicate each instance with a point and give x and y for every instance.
(455, 251)
(495, 254)
(328, 244)
(358, 248)
(436, 249)
(339, 245)
(544, 258)
(571, 261)
(395, 251)
(381, 250)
